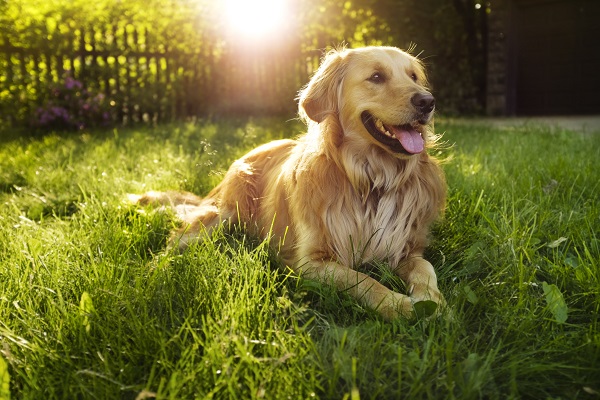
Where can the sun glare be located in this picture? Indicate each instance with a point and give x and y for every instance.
(255, 19)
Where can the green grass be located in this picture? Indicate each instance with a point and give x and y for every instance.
(93, 306)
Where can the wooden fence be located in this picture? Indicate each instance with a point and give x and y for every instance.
(144, 80)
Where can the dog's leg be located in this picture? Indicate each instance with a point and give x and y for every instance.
(365, 289)
(199, 222)
(421, 281)
(198, 216)
(171, 199)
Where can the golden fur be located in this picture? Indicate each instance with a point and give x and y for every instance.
(339, 197)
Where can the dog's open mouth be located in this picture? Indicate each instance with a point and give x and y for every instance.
(398, 138)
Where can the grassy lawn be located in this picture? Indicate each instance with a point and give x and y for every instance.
(93, 306)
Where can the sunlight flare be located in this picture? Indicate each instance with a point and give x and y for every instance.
(256, 19)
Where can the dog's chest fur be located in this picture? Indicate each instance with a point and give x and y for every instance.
(377, 229)
(379, 222)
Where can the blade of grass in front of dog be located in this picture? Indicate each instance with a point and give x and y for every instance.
(425, 308)
(556, 302)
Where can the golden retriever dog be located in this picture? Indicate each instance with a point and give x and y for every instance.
(359, 186)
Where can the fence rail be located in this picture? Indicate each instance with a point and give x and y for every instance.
(143, 80)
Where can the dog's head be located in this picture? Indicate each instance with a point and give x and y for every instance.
(378, 95)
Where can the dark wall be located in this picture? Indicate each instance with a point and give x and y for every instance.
(558, 57)
(544, 57)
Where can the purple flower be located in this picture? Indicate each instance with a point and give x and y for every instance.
(71, 105)
(71, 83)
(60, 112)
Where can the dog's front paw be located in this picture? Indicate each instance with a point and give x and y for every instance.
(396, 306)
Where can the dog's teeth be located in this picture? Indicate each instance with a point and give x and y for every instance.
(381, 127)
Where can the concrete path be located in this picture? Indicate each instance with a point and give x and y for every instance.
(584, 124)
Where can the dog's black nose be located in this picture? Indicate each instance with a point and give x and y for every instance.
(423, 102)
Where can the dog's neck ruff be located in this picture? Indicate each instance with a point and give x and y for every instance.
(370, 168)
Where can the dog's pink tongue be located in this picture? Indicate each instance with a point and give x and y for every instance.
(410, 139)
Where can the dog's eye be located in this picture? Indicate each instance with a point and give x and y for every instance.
(377, 77)
(413, 76)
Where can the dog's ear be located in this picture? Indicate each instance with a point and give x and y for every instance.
(320, 96)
